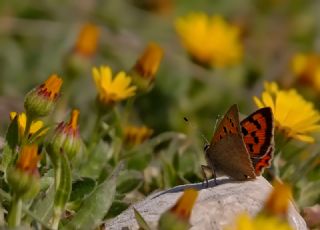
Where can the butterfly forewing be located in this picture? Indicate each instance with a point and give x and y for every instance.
(230, 156)
(229, 124)
(227, 152)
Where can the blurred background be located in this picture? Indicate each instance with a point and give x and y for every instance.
(38, 38)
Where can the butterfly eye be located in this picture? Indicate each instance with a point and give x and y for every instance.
(206, 147)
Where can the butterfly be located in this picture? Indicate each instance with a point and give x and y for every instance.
(241, 150)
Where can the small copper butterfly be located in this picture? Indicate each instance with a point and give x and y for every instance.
(241, 150)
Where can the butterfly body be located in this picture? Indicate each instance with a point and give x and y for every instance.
(241, 150)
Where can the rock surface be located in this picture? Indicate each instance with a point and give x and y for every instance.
(215, 207)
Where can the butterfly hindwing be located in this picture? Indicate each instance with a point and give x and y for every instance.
(257, 130)
(260, 164)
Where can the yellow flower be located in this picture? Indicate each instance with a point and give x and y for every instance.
(112, 90)
(211, 41)
(294, 116)
(147, 66)
(245, 222)
(22, 121)
(134, 135)
(87, 41)
(306, 67)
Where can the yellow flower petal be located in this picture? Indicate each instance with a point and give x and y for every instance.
(245, 222)
(210, 41)
(112, 90)
(304, 138)
(22, 121)
(267, 100)
(294, 116)
(258, 102)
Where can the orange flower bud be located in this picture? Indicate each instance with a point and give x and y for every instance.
(40, 101)
(66, 135)
(147, 66)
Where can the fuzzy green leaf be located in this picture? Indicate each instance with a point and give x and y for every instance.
(116, 208)
(12, 136)
(128, 181)
(43, 207)
(12, 139)
(139, 160)
(96, 205)
(81, 188)
(96, 162)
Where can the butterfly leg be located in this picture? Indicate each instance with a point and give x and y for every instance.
(204, 168)
(214, 176)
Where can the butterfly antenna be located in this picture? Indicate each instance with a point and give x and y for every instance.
(194, 128)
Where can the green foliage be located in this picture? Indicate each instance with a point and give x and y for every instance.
(96, 205)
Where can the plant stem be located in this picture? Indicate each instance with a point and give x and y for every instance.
(57, 210)
(15, 213)
(95, 134)
(128, 109)
(119, 131)
(56, 218)
(27, 129)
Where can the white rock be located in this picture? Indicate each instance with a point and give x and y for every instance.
(215, 207)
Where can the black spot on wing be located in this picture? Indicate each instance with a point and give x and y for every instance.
(224, 129)
(255, 122)
(244, 131)
(250, 147)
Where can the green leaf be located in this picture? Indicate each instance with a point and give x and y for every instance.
(43, 207)
(128, 181)
(169, 174)
(81, 188)
(310, 192)
(12, 136)
(12, 140)
(7, 158)
(141, 221)
(96, 162)
(139, 160)
(96, 205)
(117, 207)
